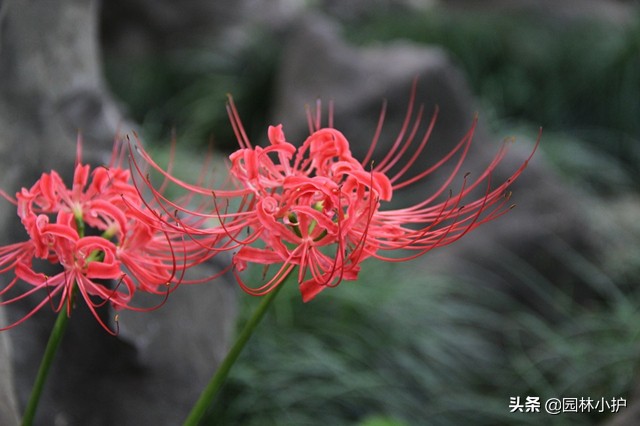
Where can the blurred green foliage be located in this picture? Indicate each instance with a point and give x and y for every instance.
(186, 91)
(403, 349)
(534, 66)
(579, 76)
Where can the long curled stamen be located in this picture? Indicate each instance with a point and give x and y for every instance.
(317, 208)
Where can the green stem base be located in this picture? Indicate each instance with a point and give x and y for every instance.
(212, 389)
(45, 365)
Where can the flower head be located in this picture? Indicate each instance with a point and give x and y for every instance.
(97, 232)
(317, 208)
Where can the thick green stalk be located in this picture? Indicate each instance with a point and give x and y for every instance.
(52, 346)
(45, 365)
(212, 389)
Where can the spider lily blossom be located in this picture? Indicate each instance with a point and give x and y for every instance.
(132, 248)
(317, 208)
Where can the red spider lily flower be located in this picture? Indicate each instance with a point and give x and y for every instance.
(133, 247)
(318, 208)
(87, 262)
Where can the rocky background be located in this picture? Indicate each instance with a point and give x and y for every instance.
(541, 303)
(52, 87)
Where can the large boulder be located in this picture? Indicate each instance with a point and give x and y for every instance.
(317, 62)
(51, 88)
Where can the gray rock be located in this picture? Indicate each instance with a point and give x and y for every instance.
(51, 87)
(8, 405)
(318, 62)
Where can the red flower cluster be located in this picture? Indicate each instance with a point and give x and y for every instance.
(314, 207)
(132, 249)
(317, 208)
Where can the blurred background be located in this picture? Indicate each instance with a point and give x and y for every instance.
(544, 306)
(542, 303)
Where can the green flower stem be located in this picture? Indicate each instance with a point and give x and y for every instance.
(55, 338)
(45, 365)
(212, 389)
